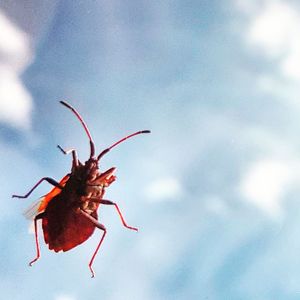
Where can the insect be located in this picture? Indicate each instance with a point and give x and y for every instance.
(69, 211)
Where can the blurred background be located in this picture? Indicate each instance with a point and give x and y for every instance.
(214, 189)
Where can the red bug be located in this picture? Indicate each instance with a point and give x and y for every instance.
(69, 211)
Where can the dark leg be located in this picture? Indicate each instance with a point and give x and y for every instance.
(48, 179)
(100, 226)
(74, 154)
(40, 216)
(108, 202)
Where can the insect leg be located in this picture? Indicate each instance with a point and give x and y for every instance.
(40, 216)
(48, 179)
(74, 154)
(108, 202)
(100, 226)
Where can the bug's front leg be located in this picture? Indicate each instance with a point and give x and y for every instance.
(75, 162)
(48, 179)
(100, 226)
(38, 217)
(109, 202)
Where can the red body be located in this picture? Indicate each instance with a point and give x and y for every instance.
(69, 211)
(65, 229)
(64, 226)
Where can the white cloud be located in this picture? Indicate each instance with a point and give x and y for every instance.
(15, 100)
(15, 55)
(14, 44)
(166, 188)
(275, 29)
(265, 183)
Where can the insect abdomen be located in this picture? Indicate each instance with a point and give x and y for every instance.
(64, 227)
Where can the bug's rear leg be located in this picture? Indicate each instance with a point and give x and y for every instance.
(48, 179)
(40, 216)
(100, 226)
(109, 202)
(74, 154)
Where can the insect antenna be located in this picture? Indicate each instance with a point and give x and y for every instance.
(120, 141)
(92, 145)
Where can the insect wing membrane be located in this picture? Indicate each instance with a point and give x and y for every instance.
(40, 205)
(33, 209)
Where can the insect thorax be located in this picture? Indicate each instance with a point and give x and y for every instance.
(92, 184)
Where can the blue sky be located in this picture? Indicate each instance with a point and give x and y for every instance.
(214, 188)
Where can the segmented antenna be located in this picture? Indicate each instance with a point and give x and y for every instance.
(84, 126)
(120, 141)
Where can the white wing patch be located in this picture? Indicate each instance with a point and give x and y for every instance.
(33, 209)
